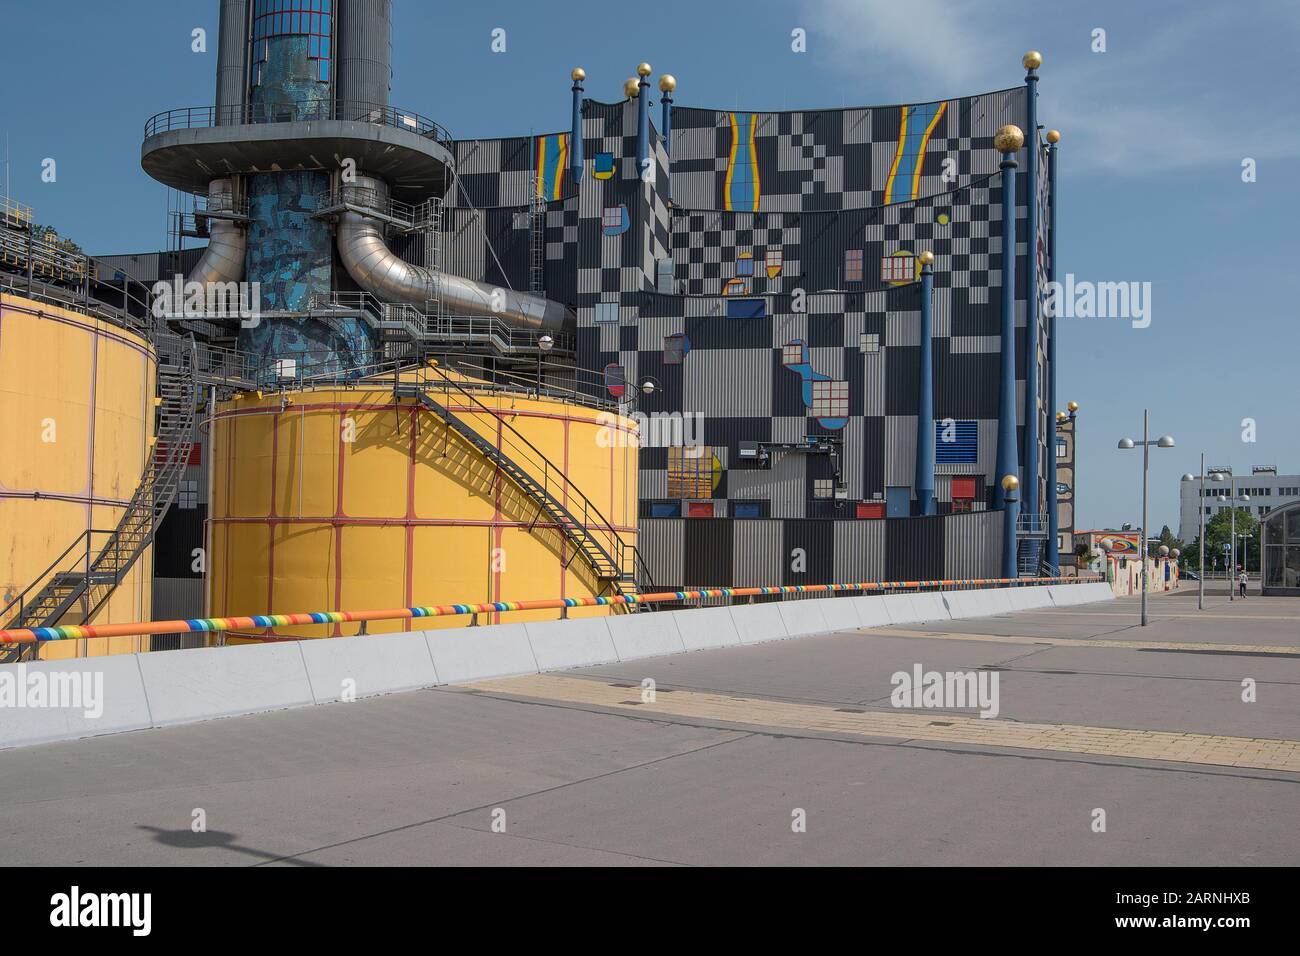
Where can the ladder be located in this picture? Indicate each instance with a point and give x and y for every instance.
(537, 238)
(77, 584)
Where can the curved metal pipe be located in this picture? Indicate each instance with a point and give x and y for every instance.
(223, 259)
(386, 275)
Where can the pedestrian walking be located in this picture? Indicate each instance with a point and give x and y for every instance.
(1241, 581)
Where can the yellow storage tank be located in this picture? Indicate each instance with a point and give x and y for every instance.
(76, 401)
(355, 499)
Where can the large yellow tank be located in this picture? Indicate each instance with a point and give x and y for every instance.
(351, 499)
(76, 403)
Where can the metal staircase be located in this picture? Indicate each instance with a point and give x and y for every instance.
(557, 498)
(75, 587)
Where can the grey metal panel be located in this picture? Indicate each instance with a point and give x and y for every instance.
(661, 542)
(757, 556)
(723, 382)
(177, 598)
(900, 449)
(859, 551)
(232, 55)
(364, 40)
(972, 544)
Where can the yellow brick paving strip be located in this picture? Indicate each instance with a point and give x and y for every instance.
(1246, 752)
(1292, 650)
(1156, 615)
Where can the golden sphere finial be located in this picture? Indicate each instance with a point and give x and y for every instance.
(1010, 482)
(1073, 406)
(1053, 135)
(631, 88)
(643, 69)
(578, 74)
(927, 257)
(1032, 60)
(1060, 416)
(667, 83)
(1008, 139)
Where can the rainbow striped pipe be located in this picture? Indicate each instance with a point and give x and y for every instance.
(213, 624)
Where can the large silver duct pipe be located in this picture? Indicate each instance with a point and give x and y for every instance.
(387, 276)
(223, 259)
(365, 29)
(232, 53)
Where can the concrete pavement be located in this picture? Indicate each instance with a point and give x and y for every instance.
(1095, 714)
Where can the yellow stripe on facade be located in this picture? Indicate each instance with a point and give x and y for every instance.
(925, 141)
(898, 158)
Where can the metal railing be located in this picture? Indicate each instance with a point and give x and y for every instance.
(265, 622)
(305, 111)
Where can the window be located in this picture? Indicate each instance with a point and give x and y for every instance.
(675, 349)
(792, 354)
(852, 265)
(520, 220)
(309, 18)
(615, 379)
(735, 287)
(1061, 448)
(871, 509)
(606, 312)
(188, 496)
(898, 268)
(746, 308)
(745, 264)
(699, 509)
(664, 276)
(749, 509)
(774, 261)
(869, 341)
(665, 509)
(830, 399)
(690, 471)
(823, 488)
(612, 218)
(956, 442)
(963, 488)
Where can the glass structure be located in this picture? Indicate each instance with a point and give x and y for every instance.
(1280, 567)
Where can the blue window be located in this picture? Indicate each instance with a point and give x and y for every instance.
(665, 509)
(746, 308)
(955, 443)
(749, 509)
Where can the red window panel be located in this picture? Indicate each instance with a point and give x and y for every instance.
(871, 509)
(963, 488)
(195, 459)
(699, 509)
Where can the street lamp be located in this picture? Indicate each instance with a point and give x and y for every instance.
(1010, 514)
(1164, 441)
(1216, 476)
(544, 346)
(1232, 501)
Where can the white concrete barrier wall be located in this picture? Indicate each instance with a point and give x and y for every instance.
(174, 687)
(106, 697)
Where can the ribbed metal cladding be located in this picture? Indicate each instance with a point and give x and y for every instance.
(859, 550)
(365, 29)
(972, 544)
(232, 54)
(757, 558)
(660, 541)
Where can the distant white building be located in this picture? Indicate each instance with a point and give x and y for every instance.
(1266, 488)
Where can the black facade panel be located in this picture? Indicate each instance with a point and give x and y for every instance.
(709, 544)
(816, 539)
(914, 549)
(180, 533)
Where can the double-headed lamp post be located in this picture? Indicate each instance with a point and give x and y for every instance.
(544, 346)
(1164, 441)
(1233, 500)
(1200, 507)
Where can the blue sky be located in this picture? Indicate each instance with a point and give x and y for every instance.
(1154, 133)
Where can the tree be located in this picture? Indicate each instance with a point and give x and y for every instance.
(1168, 540)
(1085, 554)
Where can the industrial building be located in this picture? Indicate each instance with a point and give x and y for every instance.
(1265, 488)
(664, 344)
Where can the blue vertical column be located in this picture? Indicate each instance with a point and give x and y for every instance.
(1008, 140)
(575, 136)
(1029, 494)
(925, 393)
(667, 83)
(1053, 518)
(643, 119)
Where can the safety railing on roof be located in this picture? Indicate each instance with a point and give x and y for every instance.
(221, 625)
(305, 111)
